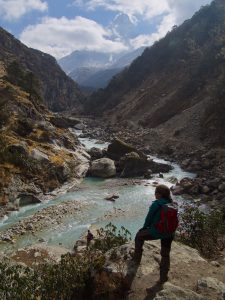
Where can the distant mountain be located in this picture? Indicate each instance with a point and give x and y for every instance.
(58, 91)
(86, 59)
(177, 85)
(95, 69)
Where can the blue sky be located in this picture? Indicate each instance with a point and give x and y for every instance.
(59, 27)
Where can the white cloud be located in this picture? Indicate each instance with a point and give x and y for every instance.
(144, 8)
(147, 40)
(59, 37)
(184, 9)
(173, 12)
(14, 9)
(147, 9)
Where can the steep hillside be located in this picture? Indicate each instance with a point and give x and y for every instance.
(176, 86)
(37, 151)
(58, 91)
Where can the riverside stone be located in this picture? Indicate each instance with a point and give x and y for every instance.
(26, 199)
(118, 148)
(212, 286)
(173, 292)
(95, 153)
(103, 167)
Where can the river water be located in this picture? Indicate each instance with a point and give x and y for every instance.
(129, 210)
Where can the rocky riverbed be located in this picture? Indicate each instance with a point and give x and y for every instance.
(206, 162)
(49, 217)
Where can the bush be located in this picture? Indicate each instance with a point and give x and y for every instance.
(71, 278)
(110, 237)
(204, 232)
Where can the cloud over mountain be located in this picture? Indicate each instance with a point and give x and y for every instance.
(133, 24)
(61, 36)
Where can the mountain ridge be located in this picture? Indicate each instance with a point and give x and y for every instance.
(58, 91)
(179, 75)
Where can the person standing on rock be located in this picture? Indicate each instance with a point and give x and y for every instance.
(90, 237)
(155, 227)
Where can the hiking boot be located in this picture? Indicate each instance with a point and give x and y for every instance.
(136, 256)
(163, 279)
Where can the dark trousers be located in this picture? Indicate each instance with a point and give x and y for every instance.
(142, 236)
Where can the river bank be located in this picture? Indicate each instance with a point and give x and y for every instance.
(131, 192)
(208, 163)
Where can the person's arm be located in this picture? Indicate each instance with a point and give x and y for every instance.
(152, 210)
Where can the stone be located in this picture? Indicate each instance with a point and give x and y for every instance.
(18, 149)
(211, 286)
(103, 167)
(118, 148)
(27, 199)
(64, 122)
(95, 153)
(37, 254)
(172, 179)
(215, 263)
(6, 238)
(148, 174)
(80, 126)
(205, 189)
(221, 187)
(29, 227)
(39, 156)
(177, 190)
(173, 292)
(132, 164)
(112, 197)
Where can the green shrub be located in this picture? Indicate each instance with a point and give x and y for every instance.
(110, 237)
(204, 232)
(71, 278)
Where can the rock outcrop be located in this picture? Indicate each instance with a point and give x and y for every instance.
(58, 91)
(190, 277)
(36, 156)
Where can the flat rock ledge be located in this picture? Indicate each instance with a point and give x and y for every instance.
(191, 276)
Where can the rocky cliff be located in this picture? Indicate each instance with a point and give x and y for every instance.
(58, 91)
(38, 153)
(176, 87)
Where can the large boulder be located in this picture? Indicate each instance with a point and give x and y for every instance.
(63, 121)
(186, 272)
(104, 168)
(118, 148)
(95, 153)
(26, 199)
(158, 167)
(132, 164)
(174, 292)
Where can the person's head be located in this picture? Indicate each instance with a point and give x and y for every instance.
(162, 191)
